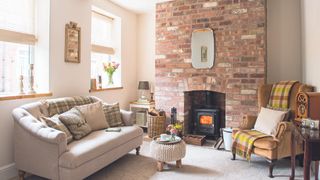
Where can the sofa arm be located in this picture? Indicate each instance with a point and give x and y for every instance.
(37, 148)
(248, 122)
(38, 130)
(127, 117)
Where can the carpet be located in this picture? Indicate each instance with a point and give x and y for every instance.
(200, 163)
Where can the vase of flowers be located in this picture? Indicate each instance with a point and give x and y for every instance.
(110, 68)
(174, 130)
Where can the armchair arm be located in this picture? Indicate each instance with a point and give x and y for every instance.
(283, 127)
(127, 117)
(248, 122)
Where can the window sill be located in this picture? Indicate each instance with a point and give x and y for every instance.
(105, 89)
(23, 96)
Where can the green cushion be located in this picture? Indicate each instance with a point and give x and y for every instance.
(113, 115)
(76, 123)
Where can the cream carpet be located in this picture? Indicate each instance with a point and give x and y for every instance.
(200, 163)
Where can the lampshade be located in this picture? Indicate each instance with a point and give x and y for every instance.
(143, 85)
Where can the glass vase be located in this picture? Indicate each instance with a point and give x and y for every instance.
(110, 79)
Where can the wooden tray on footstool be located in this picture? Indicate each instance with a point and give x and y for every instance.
(194, 139)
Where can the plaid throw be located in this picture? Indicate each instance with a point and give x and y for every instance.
(61, 105)
(279, 97)
(243, 142)
(113, 115)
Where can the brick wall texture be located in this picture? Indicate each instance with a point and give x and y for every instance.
(240, 57)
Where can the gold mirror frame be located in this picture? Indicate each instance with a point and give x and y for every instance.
(72, 49)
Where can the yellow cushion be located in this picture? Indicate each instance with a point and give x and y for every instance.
(265, 143)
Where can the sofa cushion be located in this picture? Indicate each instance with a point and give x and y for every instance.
(113, 115)
(55, 123)
(265, 143)
(96, 144)
(76, 123)
(94, 115)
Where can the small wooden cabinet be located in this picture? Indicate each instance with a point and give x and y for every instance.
(140, 112)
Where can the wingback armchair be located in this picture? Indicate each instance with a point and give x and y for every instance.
(277, 147)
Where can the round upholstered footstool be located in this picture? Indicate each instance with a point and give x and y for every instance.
(166, 152)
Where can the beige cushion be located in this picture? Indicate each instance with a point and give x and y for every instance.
(94, 115)
(96, 144)
(76, 123)
(113, 115)
(268, 120)
(55, 123)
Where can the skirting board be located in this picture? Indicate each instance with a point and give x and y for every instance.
(8, 171)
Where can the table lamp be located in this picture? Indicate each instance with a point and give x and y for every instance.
(143, 87)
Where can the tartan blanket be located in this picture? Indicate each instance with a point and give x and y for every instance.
(279, 97)
(243, 142)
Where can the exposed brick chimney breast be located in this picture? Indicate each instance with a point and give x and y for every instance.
(240, 56)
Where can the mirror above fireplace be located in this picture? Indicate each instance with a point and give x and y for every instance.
(202, 48)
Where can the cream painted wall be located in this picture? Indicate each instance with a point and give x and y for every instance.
(283, 40)
(310, 10)
(146, 47)
(68, 79)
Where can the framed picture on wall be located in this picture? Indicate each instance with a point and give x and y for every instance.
(72, 43)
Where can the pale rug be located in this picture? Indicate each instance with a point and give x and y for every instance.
(200, 163)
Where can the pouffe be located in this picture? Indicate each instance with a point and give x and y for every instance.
(167, 152)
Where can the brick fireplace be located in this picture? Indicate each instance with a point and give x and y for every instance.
(240, 57)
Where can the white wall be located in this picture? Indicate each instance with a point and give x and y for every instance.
(146, 47)
(310, 10)
(283, 40)
(67, 79)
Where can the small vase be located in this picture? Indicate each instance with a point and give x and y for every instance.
(110, 78)
(173, 137)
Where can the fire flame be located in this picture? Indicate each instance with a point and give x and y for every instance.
(206, 120)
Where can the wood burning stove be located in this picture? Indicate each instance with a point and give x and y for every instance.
(206, 122)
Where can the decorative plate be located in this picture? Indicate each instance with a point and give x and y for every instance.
(176, 140)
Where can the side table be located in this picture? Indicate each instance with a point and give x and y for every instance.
(168, 152)
(140, 112)
(311, 140)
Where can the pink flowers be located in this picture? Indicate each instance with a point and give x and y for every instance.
(110, 67)
(174, 129)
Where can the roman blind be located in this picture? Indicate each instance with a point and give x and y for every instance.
(101, 35)
(17, 21)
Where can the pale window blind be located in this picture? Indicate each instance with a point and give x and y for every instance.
(18, 15)
(101, 33)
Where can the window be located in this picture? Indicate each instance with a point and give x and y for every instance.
(18, 45)
(105, 51)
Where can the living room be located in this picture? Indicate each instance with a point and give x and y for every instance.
(255, 42)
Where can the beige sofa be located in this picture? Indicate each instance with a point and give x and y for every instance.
(44, 151)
